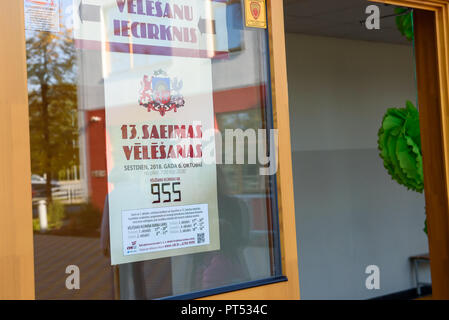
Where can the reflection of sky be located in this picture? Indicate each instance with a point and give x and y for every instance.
(234, 25)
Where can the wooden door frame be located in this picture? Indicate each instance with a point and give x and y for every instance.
(16, 237)
(16, 243)
(432, 66)
(286, 201)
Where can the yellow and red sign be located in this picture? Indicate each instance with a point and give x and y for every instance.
(255, 14)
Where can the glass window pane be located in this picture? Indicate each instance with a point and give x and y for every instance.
(115, 88)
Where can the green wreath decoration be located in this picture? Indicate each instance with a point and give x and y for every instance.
(399, 136)
(404, 22)
(400, 146)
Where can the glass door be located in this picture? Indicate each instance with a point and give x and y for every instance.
(153, 154)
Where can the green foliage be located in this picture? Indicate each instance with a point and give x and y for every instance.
(55, 214)
(400, 146)
(87, 218)
(55, 217)
(404, 22)
(36, 225)
(52, 95)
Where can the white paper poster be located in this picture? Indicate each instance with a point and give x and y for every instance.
(161, 228)
(158, 101)
(42, 15)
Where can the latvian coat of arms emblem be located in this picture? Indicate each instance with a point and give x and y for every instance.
(161, 93)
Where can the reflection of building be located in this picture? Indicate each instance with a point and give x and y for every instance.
(92, 126)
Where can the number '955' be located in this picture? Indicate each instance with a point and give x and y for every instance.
(166, 192)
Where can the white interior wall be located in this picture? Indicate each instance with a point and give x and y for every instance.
(349, 213)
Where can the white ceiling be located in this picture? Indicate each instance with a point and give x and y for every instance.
(341, 19)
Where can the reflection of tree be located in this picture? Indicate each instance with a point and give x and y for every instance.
(52, 104)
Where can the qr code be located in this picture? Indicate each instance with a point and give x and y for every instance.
(200, 238)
